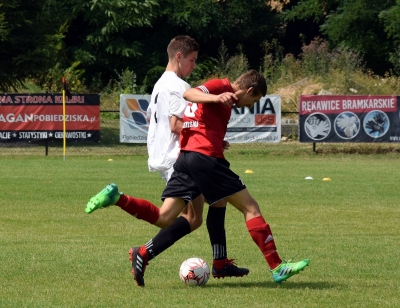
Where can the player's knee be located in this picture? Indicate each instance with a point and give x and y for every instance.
(195, 223)
(164, 221)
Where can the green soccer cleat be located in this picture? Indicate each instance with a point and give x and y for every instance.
(108, 196)
(285, 270)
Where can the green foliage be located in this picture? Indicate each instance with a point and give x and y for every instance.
(151, 78)
(230, 67)
(108, 20)
(89, 41)
(3, 25)
(273, 59)
(391, 20)
(31, 40)
(351, 24)
(124, 83)
(209, 19)
(204, 70)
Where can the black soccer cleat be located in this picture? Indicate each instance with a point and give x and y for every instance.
(139, 264)
(229, 270)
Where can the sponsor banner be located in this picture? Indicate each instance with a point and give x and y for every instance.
(38, 117)
(349, 118)
(133, 118)
(262, 123)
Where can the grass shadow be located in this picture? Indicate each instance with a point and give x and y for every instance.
(321, 285)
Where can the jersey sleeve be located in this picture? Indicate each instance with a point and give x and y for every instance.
(214, 86)
(177, 104)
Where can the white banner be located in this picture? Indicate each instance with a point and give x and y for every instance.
(262, 123)
(133, 118)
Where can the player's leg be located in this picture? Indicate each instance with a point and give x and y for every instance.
(140, 256)
(193, 212)
(202, 168)
(261, 234)
(222, 266)
(166, 237)
(140, 208)
(178, 185)
(181, 226)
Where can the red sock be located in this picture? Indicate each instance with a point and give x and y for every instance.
(262, 236)
(220, 263)
(143, 253)
(140, 208)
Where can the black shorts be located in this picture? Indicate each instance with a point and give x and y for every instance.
(195, 174)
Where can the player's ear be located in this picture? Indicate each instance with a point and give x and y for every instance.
(250, 91)
(178, 56)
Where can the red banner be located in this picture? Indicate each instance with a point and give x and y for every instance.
(40, 116)
(349, 118)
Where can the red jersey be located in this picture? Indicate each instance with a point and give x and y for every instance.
(204, 125)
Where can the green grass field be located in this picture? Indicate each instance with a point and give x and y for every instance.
(53, 254)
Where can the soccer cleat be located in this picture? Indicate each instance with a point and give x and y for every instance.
(229, 270)
(139, 264)
(285, 270)
(108, 196)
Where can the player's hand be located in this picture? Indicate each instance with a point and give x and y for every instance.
(227, 98)
(225, 145)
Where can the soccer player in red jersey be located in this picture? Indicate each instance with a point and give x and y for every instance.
(201, 168)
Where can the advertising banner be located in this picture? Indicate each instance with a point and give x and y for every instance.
(38, 117)
(344, 118)
(133, 118)
(262, 123)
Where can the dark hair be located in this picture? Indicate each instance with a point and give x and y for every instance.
(182, 43)
(252, 79)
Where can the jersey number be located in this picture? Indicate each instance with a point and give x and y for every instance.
(190, 110)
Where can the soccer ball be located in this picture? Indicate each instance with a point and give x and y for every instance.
(194, 272)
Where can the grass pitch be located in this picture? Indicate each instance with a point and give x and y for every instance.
(53, 254)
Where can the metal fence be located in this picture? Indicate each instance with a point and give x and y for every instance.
(110, 145)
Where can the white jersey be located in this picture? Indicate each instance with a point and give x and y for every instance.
(166, 101)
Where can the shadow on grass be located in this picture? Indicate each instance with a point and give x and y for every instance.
(321, 285)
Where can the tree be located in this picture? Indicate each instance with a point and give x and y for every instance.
(30, 40)
(351, 24)
(3, 25)
(104, 36)
(236, 22)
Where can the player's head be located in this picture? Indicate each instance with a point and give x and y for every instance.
(249, 88)
(182, 53)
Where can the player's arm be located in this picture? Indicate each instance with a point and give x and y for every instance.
(195, 95)
(175, 123)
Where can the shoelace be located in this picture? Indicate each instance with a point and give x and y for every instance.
(230, 261)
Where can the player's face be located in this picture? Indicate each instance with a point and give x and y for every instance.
(187, 64)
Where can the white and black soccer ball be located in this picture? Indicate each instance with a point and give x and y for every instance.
(194, 272)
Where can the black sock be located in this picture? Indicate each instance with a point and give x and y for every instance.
(216, 231)
(166, 237)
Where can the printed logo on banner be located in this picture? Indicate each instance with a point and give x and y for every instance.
(376, 123)
(317, 126)
(347, 125)
(260, 123)
(265, 119)
(134, 111)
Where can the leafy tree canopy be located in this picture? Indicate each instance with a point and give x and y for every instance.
(353, 24)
